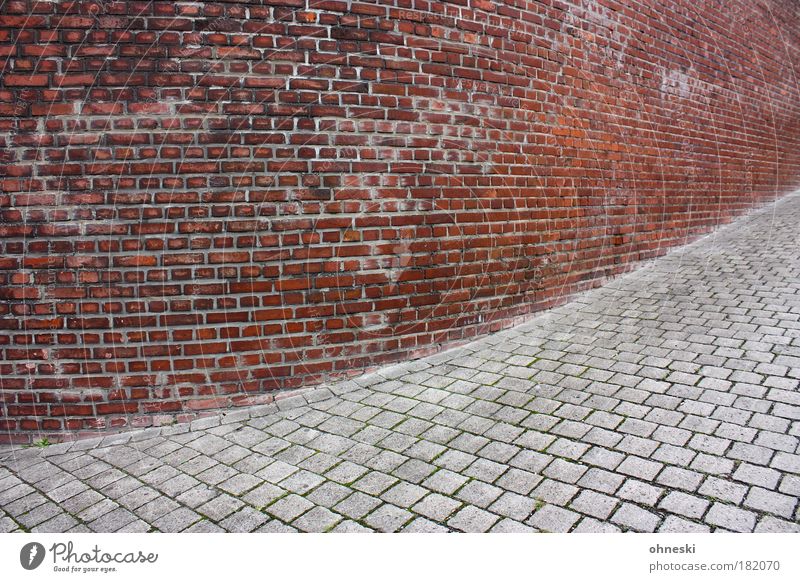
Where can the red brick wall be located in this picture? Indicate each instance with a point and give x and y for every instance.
(203, 202)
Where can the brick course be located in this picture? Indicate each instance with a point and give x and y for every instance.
(204, 202)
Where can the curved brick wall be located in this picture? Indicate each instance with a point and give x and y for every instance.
(203, 202)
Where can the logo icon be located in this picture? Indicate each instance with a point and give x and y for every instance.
(31, 555)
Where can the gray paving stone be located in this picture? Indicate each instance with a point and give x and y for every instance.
(112, 521)
(57, 524)
(357, 505)
(635, 518)
(674, 455)
(601, 480)
(176, 521)
(498, 451)
(263, 495)
(374, 483)
(436, 507)
(414, 470)
(639, 468)
(388, 518)
(244, 520)
(422, 525)
(349, 526)
(196, 496)
(534, 440)
(468, 443)
(676, 478)
(790, 485)
(594, 504)
(754, 475)
(33, 509)
(771, 502)
(511, 526)
(404, 494)
(731, 518)
(197, 465)
(554, 492)
(106, 505)
(204, 526)
(638, 446)
(485, 470)
(289, 508)
(138, 526)
(328, 494)
(87, 499)
(74, 487)
(530, 461)
(551, 518)
(711, 464)
(516, 507)
(445, 481)
(639, 492)
(565, 471)
(674, 524)
(723, 490)
(346, 472)
(300, 482)
(220, 507)
(786, 463)
(208, 444)
(751, 453)
(319, 463)
(709, 444)
(684, 504)
(472, 519)
(769, 524)
(276, 526)
(318, 519)
(518, 481)
(240, 484)
(479, 494)
(591, 525)
(212, 476)
(600, 457)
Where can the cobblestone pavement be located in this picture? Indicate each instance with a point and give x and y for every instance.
(667, 400)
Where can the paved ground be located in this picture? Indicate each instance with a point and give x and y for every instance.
(666, 401)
